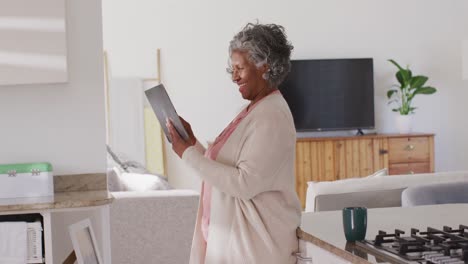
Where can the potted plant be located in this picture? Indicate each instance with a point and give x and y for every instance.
(409, 86)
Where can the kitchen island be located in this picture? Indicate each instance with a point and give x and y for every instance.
(323, 241)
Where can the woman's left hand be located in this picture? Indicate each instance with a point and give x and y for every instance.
(179, 145)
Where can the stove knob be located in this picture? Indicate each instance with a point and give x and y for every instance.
(431, 256)
(438, 260)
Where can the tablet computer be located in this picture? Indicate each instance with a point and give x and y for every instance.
(164, 109)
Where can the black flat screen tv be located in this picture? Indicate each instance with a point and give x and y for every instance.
(330, 94)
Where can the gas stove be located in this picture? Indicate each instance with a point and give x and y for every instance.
(433, 246)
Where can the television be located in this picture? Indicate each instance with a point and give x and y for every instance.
(330, 94)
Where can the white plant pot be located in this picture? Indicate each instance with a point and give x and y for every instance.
(403, 123)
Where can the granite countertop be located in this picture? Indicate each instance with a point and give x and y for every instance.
(325, 229)
(350, 252)
(60, 200)
(70, 191)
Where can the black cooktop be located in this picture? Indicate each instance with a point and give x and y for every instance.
(433, 246)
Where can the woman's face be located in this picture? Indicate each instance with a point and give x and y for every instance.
(247, 76)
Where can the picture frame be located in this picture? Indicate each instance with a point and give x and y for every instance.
(33, 49)
(85, 243)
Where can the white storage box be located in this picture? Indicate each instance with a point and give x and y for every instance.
(26, 180)
(35, 243)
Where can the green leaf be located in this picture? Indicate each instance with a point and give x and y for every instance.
(395, 110)
(397, 65)
(401, 79)
(405, 74)
(418, 81)
(390, 93)
(427, 90)
(422, 90)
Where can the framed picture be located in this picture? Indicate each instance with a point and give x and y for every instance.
(84, 243)
(33, 46)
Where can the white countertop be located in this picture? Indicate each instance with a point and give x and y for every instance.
(326, 228)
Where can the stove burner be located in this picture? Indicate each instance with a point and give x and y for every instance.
(447, 246)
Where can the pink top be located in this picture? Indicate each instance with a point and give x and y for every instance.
(212, 153)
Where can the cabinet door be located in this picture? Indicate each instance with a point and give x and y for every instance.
(314, 162)
(330, 160)
(380, 153)
(360, 157)
(302, 168)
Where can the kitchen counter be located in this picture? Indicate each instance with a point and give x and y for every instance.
(70, 191)
(78, 196)
(60, 200)
(325, 229)
(95, 202)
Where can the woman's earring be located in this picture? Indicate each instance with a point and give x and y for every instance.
(265, 76)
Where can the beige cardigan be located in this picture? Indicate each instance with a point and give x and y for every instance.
(254, 207)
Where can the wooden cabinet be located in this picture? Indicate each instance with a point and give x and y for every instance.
(336, 158)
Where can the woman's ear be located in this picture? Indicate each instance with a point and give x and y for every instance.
(265, 68)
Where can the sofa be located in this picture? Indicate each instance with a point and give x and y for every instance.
(371, 192)
(152, 226)
(150, 222)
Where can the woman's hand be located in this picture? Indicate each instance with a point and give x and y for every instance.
(179, 145)
(192, 139)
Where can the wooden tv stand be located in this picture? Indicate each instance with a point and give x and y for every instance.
(336, 158)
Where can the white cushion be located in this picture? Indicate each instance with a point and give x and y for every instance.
(379, 173)
(142, 182)
(377, 183)
(113, 180)
(129, 175)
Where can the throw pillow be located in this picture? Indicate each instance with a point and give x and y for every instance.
(113, 180)
(143, 182)
(379, 173)
(129, 175)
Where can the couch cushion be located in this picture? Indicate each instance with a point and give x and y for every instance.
(377, 183)
(440, 193)
(369, 199)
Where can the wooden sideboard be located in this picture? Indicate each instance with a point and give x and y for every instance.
(336, 158)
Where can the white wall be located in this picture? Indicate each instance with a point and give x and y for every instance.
(194, 35)
(61, 123)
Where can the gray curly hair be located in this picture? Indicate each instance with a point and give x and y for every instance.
(265, 44)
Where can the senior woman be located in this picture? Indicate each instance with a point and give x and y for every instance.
(248, 210)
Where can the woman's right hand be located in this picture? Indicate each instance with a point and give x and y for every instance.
(192, 139)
